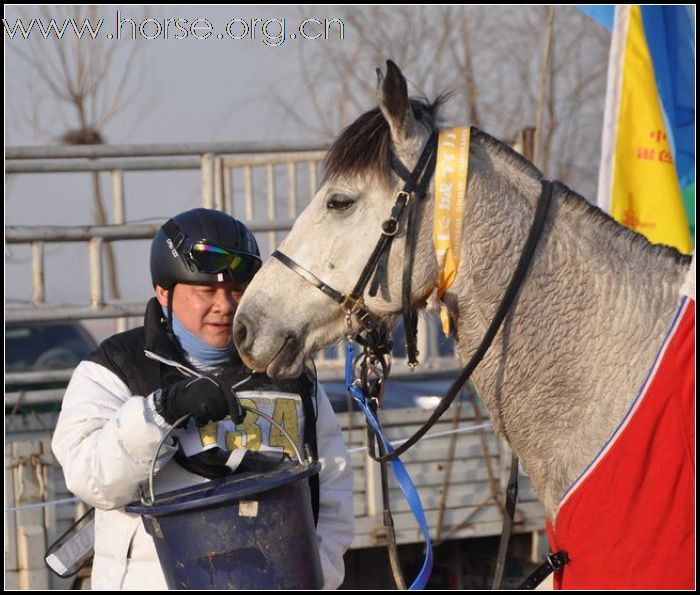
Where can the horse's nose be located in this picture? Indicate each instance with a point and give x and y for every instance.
(241, 334)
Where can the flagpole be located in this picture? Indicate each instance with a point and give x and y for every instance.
(545, 71)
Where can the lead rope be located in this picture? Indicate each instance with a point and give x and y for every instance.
(397, 467)
(511, 499)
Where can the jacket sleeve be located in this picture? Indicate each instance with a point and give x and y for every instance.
(336, 515)
(105, 437)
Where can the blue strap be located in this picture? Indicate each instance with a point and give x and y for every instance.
(400, 474)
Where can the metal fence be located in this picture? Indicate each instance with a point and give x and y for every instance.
(267, 176)
(259, 184)
(274, 184)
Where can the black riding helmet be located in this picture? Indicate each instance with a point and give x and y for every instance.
(201, 247)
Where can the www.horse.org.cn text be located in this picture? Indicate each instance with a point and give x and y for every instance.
(271, 32)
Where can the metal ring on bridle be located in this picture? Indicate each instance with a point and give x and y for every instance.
(352, 305)
(390, 227)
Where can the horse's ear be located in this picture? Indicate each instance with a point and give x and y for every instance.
(393, 101)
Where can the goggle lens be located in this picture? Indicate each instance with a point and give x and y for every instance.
(216, 259)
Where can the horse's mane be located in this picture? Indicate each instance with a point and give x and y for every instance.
(577, 206)
(493, 146)
(635, 241)
(364, 147)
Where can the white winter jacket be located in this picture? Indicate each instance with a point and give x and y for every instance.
(105, 439)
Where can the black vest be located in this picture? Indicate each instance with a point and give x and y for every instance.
(124, 355)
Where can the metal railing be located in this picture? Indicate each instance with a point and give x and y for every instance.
(284, 166)
(217, 163)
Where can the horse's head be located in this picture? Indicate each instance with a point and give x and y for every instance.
(282, 316)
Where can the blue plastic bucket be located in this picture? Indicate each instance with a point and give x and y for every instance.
(247, 531)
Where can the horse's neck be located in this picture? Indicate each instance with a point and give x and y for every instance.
(575, 348)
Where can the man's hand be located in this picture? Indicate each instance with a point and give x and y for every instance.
(205, 399)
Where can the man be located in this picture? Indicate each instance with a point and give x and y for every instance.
(123, 399)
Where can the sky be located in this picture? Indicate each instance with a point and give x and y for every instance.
(193, 88)
(184, 88)
(189, 90)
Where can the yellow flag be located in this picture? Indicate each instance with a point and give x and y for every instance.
(639, 185)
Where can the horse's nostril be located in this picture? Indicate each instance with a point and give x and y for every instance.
(241, 336)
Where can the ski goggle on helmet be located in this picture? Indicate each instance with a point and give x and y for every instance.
(205, 257)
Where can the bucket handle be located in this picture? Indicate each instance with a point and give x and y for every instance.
(150, 498)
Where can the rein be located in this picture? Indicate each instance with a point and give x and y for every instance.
(353, 304)
(506, 302)
(377, 344)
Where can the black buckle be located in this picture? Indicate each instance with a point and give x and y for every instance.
(174, 234)
(181, 239)
(558, 560)
(553, 563)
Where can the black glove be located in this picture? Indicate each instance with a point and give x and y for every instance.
(205, 399)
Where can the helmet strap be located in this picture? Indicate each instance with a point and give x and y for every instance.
(169, 322)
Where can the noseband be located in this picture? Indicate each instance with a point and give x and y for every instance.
(414, 190)
(416, 185)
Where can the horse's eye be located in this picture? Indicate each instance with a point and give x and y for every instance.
(339, 202)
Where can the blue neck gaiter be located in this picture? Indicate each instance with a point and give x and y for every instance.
(198, 349)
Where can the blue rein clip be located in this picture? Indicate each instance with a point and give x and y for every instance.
(399, 470)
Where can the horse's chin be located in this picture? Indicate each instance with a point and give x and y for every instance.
(287, 362)
(250, 362)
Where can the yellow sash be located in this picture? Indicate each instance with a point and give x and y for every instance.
(450, 189)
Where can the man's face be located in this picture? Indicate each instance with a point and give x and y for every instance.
(206, 310)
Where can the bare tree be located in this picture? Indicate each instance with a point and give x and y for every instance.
(337, 82)
(76, 74)
(490, 58)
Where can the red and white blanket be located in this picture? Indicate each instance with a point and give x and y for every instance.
(629, 521)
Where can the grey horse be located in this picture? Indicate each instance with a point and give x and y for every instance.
(575, 347)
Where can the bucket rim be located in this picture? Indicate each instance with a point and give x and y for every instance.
(221, 490)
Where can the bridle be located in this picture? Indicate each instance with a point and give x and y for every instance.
(414, 190)
(376, 343)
